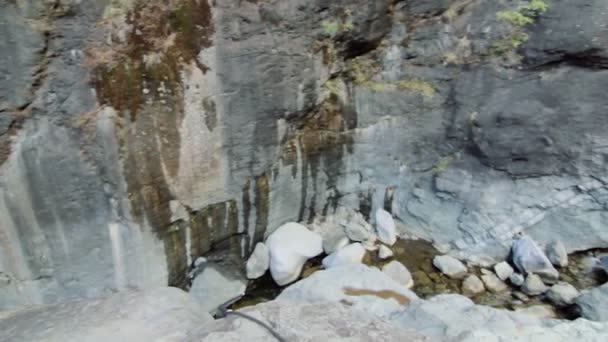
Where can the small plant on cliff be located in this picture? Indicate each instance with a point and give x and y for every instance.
(525, 14)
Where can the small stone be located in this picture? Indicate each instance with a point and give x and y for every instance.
(450, 266)
(199, 261)
(516, 279)
(539, 311)
(533, 285)
(556, 252)
(472, 286)
(503, 270)
(562, 294)
(385, 226)
(399, 273)
(258, 262)
(351, 254)
(370, 244)
(493, 283)
(384, 252)
(521, 296)
(484, 271)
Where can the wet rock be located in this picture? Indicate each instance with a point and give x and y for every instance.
(215, 286)
(517, 279)
(290, 246)
(539, 311)
(493, 283)
(385, 226)
(594, 304)
(533, 285)
(305, 322)
(603, 263)
(362, 287)
(556, 252)
(529, 258)
(399, 273)
(162, 314)
(258, 262)
(472, 286)
(503, 270)
(351, 254)
(450, 266)
(384, 252)
(562, 294)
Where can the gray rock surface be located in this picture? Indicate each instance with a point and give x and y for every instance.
(594, 304)
(351, 254)
(163, 314)
(305, 322)
(250, 114)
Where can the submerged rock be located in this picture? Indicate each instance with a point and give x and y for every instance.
(399, 273)
(533, 285)
(450, 266)
(162, 314)
(472, 286)
(529, 258)
(351, 254)
(493, 283)
(556, 252)
(562, 294)
(385, 226)
(258, 262)
(214, 287)
(594, 303)
(290, 246)
(356, 285)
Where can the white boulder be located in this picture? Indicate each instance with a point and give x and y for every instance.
(259, 261)
(385, 227)
(351, 254)
(528, 257)
(384, 252)
(503, 270)
(362, 287)
(533, 285)
(290, 246)
(556, 252)
(450, 266)
(399, 273)
(562, 294)
(472, 286)
(493, 283)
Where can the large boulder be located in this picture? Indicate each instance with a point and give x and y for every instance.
(216, 285)
(528, 257)
(594, 304)
(357, 285)
(291, 245)
(351, 254)
(258, 262)
(162, 314)
(304, 322)
(385, 226)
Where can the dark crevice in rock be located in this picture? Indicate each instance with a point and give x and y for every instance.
(589, 59)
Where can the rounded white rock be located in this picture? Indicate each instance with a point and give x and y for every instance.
(385, 227)
(351, 254)
(258, 262)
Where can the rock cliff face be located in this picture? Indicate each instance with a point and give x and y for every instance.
(136, 136)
